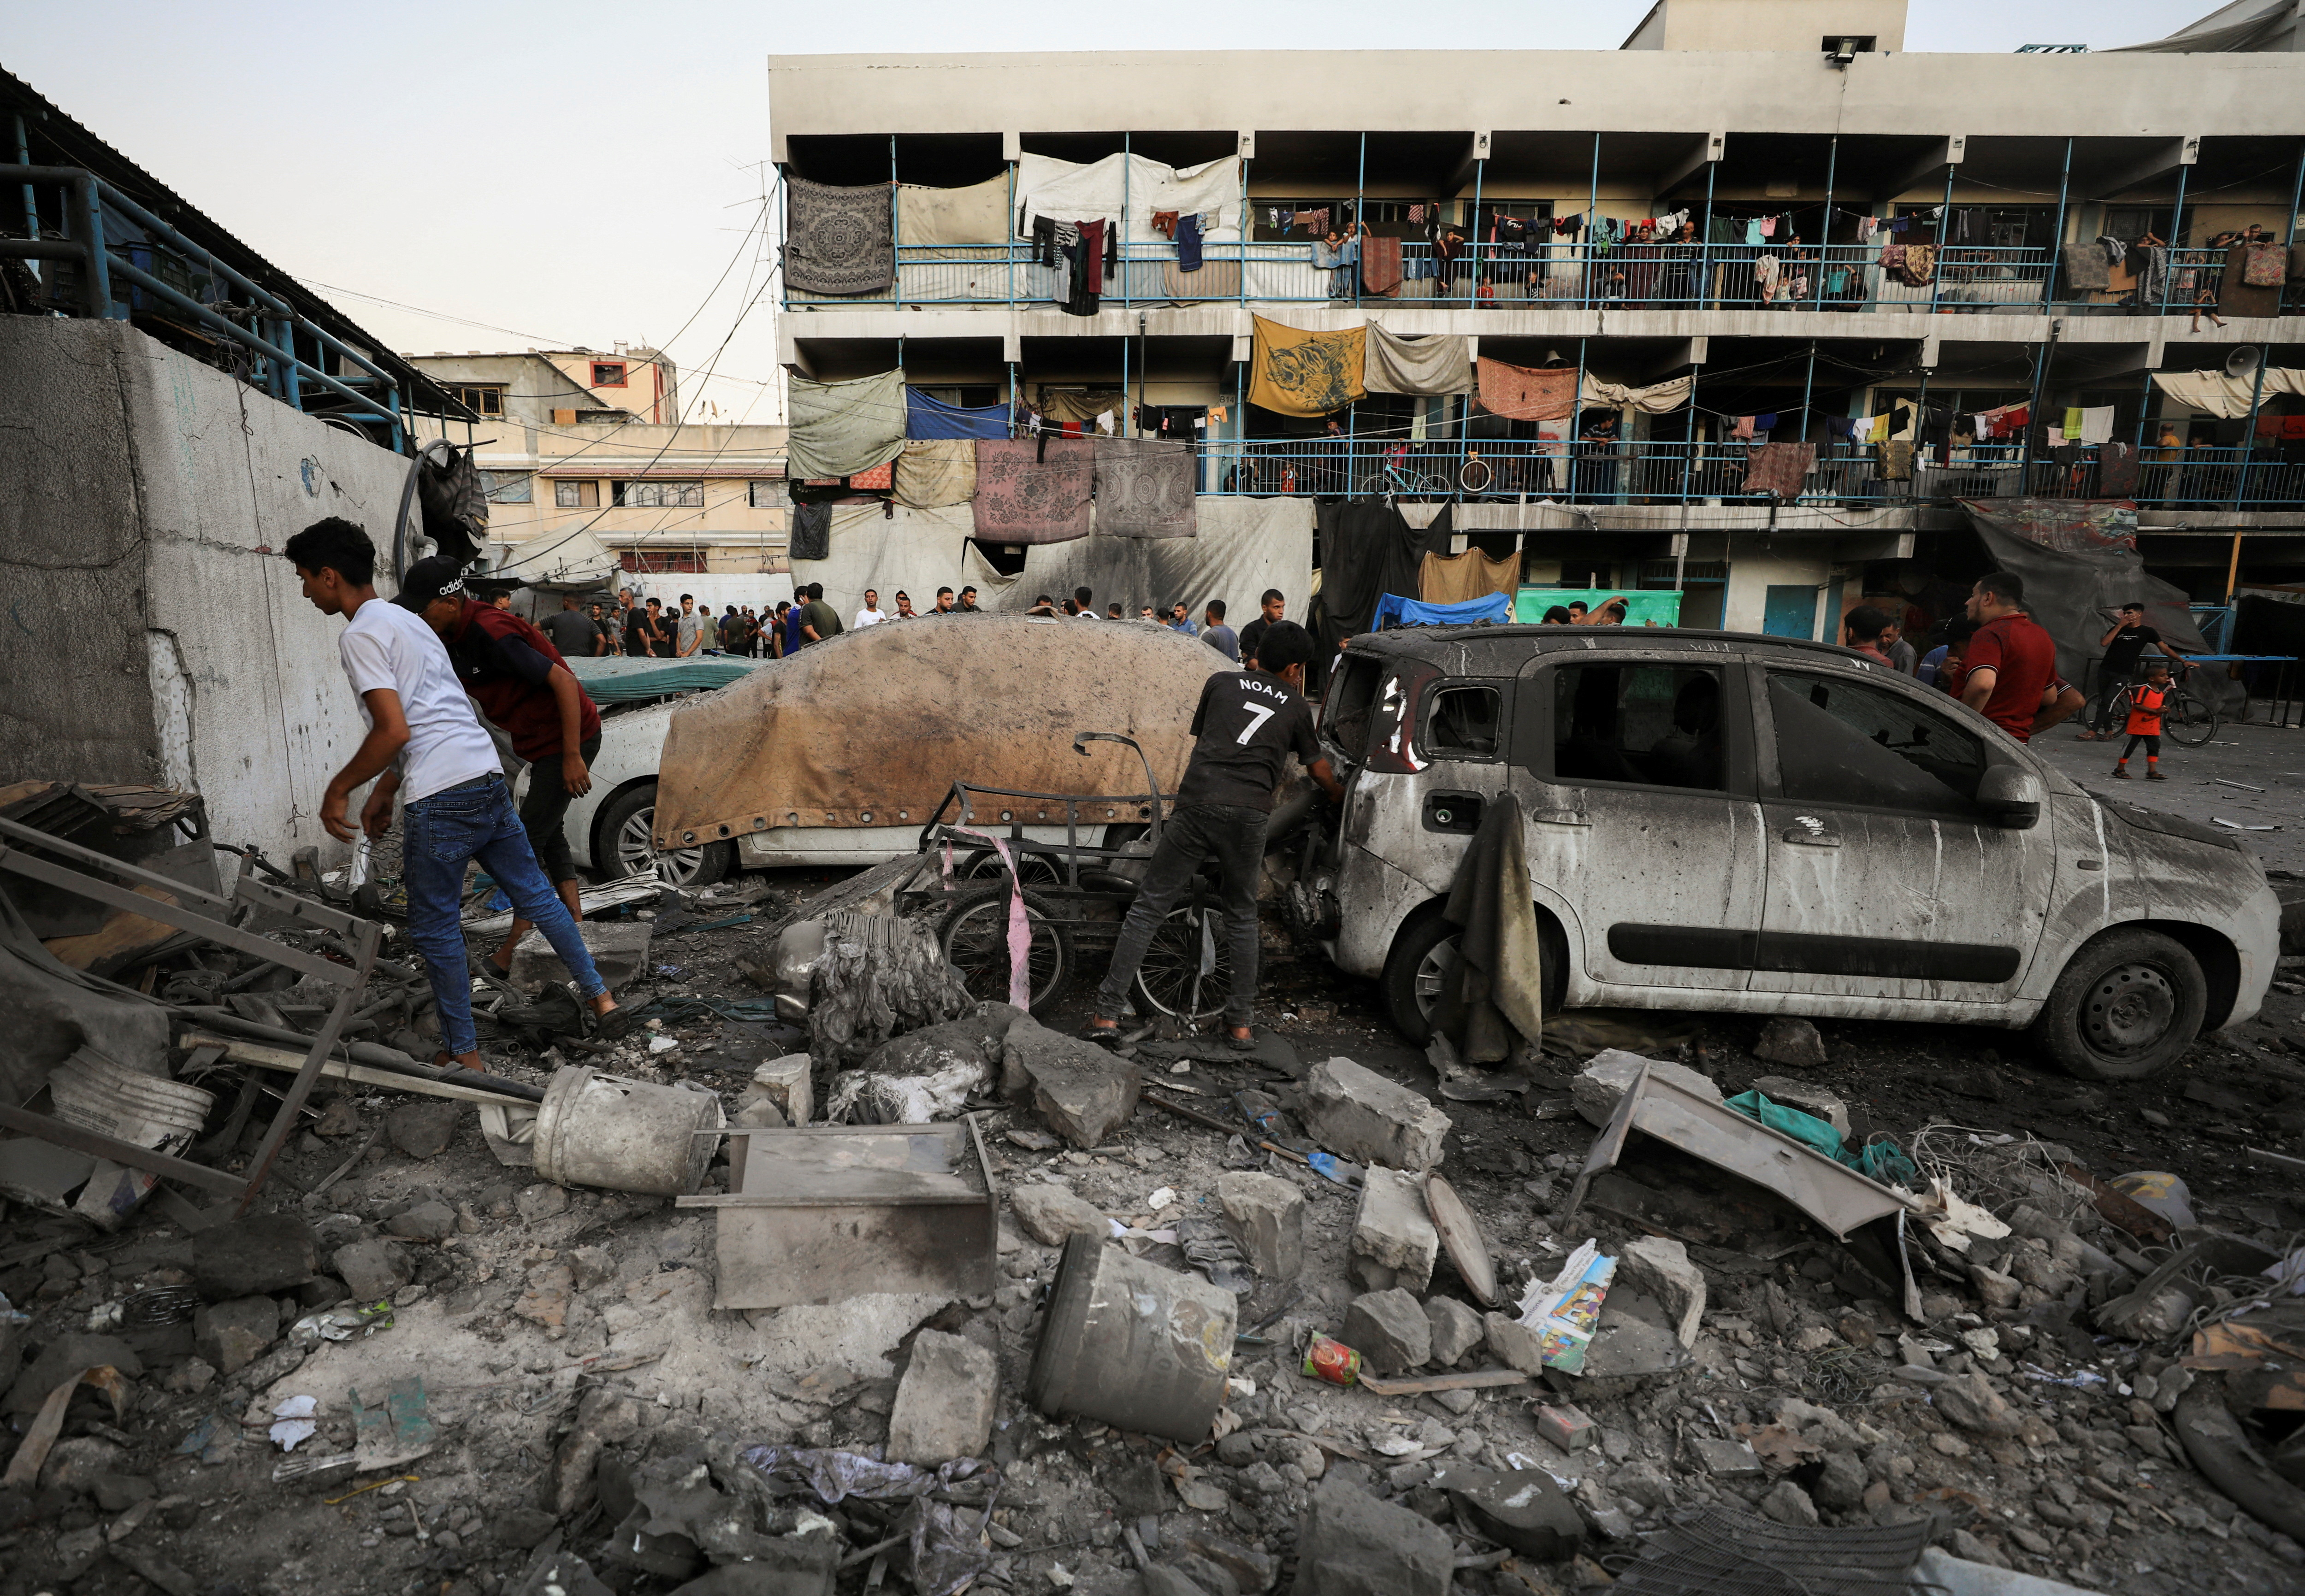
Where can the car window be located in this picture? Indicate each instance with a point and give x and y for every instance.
(1351, 697)
(1841, 741)
(1461, 723)
(1656, 725)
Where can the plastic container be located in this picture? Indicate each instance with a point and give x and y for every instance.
(1133, 1344)
(596, 1130)
(96, 1094)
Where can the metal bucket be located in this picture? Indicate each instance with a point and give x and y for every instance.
(1136, 1345)
(595, 1130)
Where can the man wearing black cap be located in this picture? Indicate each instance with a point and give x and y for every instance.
(1247, 724)
(523, 685)
(426, 746)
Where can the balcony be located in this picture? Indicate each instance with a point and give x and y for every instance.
(1712, 473)
(1841, 278)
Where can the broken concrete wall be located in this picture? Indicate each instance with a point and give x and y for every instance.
(156, 633)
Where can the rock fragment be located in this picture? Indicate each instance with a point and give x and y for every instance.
(1264, 1214)
(1659, 1265)
(234, 1335)
(1358, 1114)
(1049, 1213)
(1348, 1541)
(1791, 1042)
(1390, 1330)
(422, 1130)
(1597, 1089)
(1457, 1329)
(945, 1402)
(252, 1256)
(1393, 1242)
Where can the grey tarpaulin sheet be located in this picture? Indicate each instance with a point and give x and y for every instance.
(1241, 547)
(977, 213)
(1392, 364)
(1144, 488)
(2079, 560)
(914, 552)
(839, 429)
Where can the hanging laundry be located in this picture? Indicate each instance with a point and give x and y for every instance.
(2096, 424)
(1298, 373)
(1841, 428)
(1897, 463)
(840, 240)
(1028, 493)
(1876, 430)
(1188, 242)
(1740, 427)
(2116, 471)
(2072, 422)
(1780, 468)
(839, 429)
(1429, 366)
(1381, 265)
(1765, 278)
(1768, 226)
(1164, 223)
(1315, 222)
(1417, 215)
(1766, 422)
(2087, 270)
(1527, 393)
(1919, 267)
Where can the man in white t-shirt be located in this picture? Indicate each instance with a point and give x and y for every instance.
(426, 747)
(869, 616)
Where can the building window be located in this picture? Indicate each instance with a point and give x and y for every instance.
(669, 560)
(607, 374)
(510, 488)
(481, 399)
(576, 495)
(768, 496)
(656, 496)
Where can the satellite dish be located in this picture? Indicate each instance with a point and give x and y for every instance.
(2243, 361)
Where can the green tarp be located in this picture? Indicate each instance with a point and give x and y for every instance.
(615, 679)
(1877, 1160)
(1642, 605)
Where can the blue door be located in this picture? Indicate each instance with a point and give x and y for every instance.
(1790, 611)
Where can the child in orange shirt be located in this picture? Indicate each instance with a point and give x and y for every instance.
(2145, 702)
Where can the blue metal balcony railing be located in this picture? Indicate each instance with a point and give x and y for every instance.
(1645, 472)
(139, 252)
(1841, 278)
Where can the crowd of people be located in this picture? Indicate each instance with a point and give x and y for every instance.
(645, 629)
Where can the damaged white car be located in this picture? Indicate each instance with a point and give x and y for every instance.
(1761, 826)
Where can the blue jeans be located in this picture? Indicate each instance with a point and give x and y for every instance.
(445, 832)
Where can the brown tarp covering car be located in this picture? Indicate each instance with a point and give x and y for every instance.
(873, 727)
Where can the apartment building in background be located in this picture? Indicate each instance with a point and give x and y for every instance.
(576, 440)
(1797, 139)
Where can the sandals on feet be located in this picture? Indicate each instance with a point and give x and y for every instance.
(1103, 1036)
(1241, 1044)
(617, 1025)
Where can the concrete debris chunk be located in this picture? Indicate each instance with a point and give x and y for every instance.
(1788, 1504)
(945, 1402)
(1725, 1459)
(1521, 1508)
(1264, 1214)
(1049, 1213)
(1390, 1330)
(1358, 1114)
(1565, 1426)
(234, 1335)
(1611, 1073)
(1393, 1242)
(603, 1418)
(1968, 1401)
(1082, 1092)
(784, 1083)
(1457, 1329)
(1515, 1344)
(1791, 1042)
(422, 1130)
(262, 1253)
(373, 1269)
(430, 1221)
(1814, 1100)
(1659, 1265)
(1349, 1543)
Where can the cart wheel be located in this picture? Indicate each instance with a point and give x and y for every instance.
(1167, 978)
(974, 937)
(1035, 870)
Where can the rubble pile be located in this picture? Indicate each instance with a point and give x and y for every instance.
(1381, 1339)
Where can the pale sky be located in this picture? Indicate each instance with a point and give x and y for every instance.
(584, 173)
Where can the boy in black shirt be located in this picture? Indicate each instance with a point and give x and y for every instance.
(1247, 724)
(2124, 645)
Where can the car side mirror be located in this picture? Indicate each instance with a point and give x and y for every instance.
(2014, 794)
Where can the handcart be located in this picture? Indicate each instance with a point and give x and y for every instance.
(1075, 894)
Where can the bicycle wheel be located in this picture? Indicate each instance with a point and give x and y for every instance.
(974, 937)
(1035, 870)
(2187, 720)
(1474, 476)
(1187, 969)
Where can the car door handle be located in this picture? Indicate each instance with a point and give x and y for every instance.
(1560, 816)
(1811, 833)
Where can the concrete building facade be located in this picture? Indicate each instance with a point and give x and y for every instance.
(560, 387)
(1806, 118)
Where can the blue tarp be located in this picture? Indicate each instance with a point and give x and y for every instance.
(928, 417)
(1392, 609)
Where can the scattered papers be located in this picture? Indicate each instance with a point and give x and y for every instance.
(1953, 1221)
(294, 1422)
(1565, 1311)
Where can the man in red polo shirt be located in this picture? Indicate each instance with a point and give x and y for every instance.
(522, 684)
(2011, 661)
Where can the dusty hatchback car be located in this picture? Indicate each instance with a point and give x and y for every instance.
(1755, 825)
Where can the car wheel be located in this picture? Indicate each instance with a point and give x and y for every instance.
(2126, 1005)
(1424, 960)
(629, 847)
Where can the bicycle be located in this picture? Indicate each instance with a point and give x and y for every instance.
(1389, 480)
